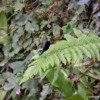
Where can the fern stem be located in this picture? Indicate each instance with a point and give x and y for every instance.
(82, 73)
(83, 64)
(91, 76)
(86, 86)
(87, 70)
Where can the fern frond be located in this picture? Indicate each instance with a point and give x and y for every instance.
(71, 50)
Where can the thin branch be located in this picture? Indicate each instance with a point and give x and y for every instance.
(84, 64)
(91, 76)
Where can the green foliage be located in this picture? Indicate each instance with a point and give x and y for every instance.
(4, 38)
(59, 79)
(25, 25)
(69, 51)
(75, 97)
(80, 94)
(3, 21)
(18, 5)
(67, 28)
(2, 94)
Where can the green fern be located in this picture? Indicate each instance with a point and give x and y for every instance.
(70, 51)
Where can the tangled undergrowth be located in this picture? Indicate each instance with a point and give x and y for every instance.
(25, 26)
